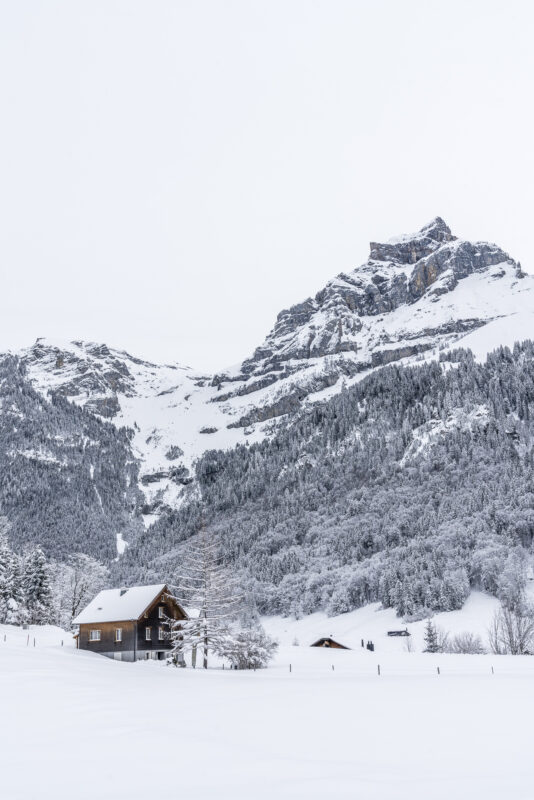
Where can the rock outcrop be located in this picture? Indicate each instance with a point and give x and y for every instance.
(340, 319)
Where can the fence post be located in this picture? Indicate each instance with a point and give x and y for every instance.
(28, 640)
(34, 641)
(332, 667)
(439, 673)
(379, 669)
(290, 667)
(492, 671)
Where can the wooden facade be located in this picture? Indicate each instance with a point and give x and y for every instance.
(131, 640)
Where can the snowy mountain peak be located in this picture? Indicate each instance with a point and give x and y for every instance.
(415, 295)
(436, 229)
(89, 373)
(409, 248)
(397, 274)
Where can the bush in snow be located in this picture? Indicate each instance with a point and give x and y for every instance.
(248, 649)
(468, 643)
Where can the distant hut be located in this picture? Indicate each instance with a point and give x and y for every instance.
(327, 641)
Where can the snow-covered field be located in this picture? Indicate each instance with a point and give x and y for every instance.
(77, 725)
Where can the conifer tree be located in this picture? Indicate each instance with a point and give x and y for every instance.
(12, 609)
(6, 577)
(37, 588)
(431, 638)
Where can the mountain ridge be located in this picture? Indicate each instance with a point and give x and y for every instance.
(416, 294)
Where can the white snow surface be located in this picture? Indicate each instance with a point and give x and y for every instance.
(122, 544)
(502, 332)
(111, 606)
(78, 725)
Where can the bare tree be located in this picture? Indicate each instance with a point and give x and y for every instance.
(496, 644)
(76, 583)
(512, 631)
(208, 589)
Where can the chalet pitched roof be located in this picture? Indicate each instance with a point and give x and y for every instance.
(112, 606)
(327, 641)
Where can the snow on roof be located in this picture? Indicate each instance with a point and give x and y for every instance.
(112, 606)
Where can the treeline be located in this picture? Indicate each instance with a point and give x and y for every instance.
(37, 591)
(410, 488)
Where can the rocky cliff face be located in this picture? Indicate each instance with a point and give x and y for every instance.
(415, 295)
(351, 310)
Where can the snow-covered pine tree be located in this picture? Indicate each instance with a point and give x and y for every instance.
(12, 609)
(431, 638)
(206, 587)
(37, 587)
(6, 575)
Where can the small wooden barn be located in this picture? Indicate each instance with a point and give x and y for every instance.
(327, 641)
(129, 624)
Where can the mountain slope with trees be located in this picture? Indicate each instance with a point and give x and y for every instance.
(349, 459)
(411, 488)
(68, 480)
(417, 293)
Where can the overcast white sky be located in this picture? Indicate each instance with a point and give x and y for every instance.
(173, 174)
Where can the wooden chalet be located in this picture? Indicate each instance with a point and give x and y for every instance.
(327, 641)
(129, 624)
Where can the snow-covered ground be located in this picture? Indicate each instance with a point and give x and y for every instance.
(372, 623)
(77, 725)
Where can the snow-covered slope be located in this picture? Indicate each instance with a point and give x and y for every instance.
(414, 296)
(169, 408)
